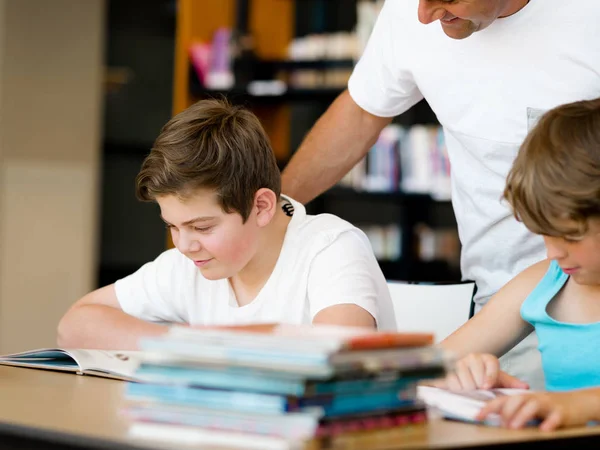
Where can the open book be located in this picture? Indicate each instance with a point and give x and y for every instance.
(120, 365)
(463, 406)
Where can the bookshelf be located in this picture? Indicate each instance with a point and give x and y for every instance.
(288, 114)
(198, 20)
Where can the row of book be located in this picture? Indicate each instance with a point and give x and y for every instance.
(213, 61)
(386, 241)
(413, 160)
(442, 244)
(281, 386)
(432, 244)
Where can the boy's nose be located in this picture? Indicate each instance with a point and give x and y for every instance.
(429, 11)
(187, 244)
(554, 249)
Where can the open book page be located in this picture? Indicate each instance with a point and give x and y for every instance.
(110, 364)
(463, 406)
(50, 358)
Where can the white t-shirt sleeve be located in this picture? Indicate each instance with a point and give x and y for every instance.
(150, 293)
(379, 84)
(345, 272)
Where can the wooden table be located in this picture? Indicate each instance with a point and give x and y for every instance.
(50, 410)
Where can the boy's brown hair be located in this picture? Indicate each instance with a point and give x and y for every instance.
(214, 145)
(554, 184)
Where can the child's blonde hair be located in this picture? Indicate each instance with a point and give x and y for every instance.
(554, 184)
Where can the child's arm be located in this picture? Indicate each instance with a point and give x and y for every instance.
(556, 409)
(490, 333)
(346, 286)
(97, 321)
(498, 326)
(348, 315)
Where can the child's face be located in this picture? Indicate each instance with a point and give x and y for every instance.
(578, 256)
(220, 244)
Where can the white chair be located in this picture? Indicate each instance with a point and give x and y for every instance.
(436, 308)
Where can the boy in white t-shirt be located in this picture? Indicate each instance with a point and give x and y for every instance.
(244, 253)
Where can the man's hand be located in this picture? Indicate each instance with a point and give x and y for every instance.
(478, 371)
(556, 409)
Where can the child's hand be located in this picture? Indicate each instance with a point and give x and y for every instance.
(479, 371)
(556, 409)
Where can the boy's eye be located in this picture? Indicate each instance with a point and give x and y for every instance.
(202, 229)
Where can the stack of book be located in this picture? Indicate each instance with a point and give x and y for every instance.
(292, 383)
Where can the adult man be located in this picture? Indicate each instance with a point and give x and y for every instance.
(521, 58)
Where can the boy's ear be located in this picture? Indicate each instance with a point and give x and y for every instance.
(265, 202)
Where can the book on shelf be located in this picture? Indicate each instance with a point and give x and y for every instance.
(407, 159)
(120, 365)
(463, 406)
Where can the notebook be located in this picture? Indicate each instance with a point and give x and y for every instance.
(463, 406)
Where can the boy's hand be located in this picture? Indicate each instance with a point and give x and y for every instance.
(556, 409)
(479, 371)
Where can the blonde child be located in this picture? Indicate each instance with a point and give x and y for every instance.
(554, 189)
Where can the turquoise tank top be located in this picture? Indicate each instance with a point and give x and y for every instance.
(570, 352)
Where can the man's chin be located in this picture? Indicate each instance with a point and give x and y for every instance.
(458, 33)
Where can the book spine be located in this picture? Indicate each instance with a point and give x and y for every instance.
(375, 422)
(293, 426)
(340, 405)
(389, 340)
(208, 398)
(364, 387)
(235, 380)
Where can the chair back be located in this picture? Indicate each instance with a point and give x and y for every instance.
(428, 307)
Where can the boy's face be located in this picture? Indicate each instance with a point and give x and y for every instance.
(578, 256)
(220, 244)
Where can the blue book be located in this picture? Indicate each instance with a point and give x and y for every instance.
(236, 378)
(321, 406)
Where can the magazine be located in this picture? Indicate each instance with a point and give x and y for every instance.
(119, 365)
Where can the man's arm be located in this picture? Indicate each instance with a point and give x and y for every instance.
(97, 321)
(339, 139)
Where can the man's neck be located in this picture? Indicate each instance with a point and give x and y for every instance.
(248, 283)
(513, 7)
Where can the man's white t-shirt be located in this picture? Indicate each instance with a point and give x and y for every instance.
(487, 91)
(324, 261)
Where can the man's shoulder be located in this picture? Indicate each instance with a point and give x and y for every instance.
(403, 17)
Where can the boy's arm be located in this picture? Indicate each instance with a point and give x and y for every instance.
(346, 285)
(348, 315)
(97, 321)
(498, 326)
